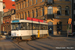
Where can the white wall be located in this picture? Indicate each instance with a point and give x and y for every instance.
(1, 6)
(13, 17)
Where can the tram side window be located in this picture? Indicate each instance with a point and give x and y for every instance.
(44, 27)
(12, 27)
(23, 26)
(37, 26)
(30, 26)
(34, 26)
(41, 27)
(27, 26)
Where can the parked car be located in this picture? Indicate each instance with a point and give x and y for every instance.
(2, 33)
(5, 33)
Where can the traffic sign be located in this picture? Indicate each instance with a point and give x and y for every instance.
(69, 21)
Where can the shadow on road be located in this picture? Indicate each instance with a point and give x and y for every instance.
(0, 48)
(14, 49)
(33, 46)
(18, 46)
(44, 47)
(44, 43)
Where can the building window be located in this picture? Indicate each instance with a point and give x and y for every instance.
(4, 6)
(50, 10)
(36, 13)
(20, 5)
(13, 4)
(59, 27)
(22, 15)
(36, 1)
(32, 2)
(50, 1)
(25, 15)
(28, 2)
(19, 15)
(60, 0)
(59, 10)
(33, 13)
(25, 3)
(16, 6)
(42, 0)
(66, 0)
(28, 14)
(66, 10)
(42, 11)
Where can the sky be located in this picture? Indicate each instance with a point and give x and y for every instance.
(13, 0)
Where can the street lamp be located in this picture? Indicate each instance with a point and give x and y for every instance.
(1, 13)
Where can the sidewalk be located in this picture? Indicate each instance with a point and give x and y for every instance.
(49, 37)
(4, 37)
(62, 38)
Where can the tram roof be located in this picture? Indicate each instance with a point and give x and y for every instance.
(22, 21)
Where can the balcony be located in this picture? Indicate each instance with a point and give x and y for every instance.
(49, 16)
(49, 2)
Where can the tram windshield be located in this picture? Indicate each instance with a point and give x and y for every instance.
(15, 26)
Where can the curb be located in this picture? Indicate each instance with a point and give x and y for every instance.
(56, 39)
(2, 38)
(5, 37)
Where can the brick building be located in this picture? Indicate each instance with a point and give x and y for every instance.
(55, 12)
(9, 10)
(8, 16)
(6, 6)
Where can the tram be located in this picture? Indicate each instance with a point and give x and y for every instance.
(28, 29)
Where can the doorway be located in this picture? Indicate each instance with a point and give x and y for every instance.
(50, 28)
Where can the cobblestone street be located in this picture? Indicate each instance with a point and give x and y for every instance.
(39, 44)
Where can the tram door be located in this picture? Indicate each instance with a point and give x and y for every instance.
(50, 28)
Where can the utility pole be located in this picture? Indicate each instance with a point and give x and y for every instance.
(1, 14)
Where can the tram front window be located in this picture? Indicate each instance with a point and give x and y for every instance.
(15, 26)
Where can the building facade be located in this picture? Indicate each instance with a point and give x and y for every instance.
(6, 6)
(73, 15)
(8, 16)
(55, 12)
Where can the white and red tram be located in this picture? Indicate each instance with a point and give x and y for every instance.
(26, 29)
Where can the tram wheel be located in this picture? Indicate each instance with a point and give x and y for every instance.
(34, 37)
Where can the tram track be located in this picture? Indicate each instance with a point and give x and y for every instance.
(17, 43)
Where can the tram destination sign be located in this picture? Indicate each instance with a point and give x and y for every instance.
(14, 21)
